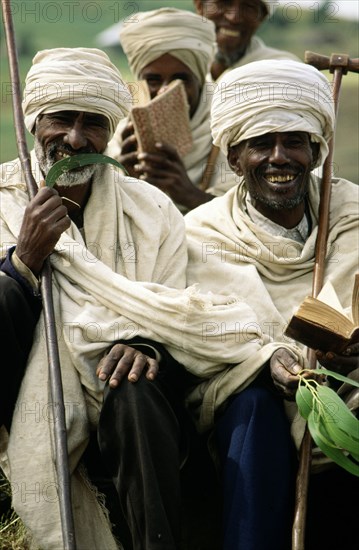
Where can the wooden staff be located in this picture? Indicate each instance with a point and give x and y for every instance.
(209, 170)
(339, 65)
(60, 434)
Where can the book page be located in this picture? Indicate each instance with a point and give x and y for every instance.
(329, 297)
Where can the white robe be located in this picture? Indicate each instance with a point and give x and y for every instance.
(256, 51)
(229, 253)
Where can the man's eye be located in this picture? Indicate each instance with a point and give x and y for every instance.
(260, 144)
(295, 142)
(59, 118)
(153, 81)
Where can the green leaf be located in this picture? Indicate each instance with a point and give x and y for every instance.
(77, 161)
(341, 439)
(335, 375)
(304, 399)
(336, 411)
(320, 436)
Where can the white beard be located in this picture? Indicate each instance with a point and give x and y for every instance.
(72, 178)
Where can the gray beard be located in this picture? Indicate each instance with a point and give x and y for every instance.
(286, 204)
(72, 178)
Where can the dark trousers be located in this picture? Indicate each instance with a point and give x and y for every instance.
(142, 439)
(18, 317)
(256, 456)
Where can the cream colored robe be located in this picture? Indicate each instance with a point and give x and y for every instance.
(132, 233)
(256, 51)
(195, 161)
(229, 253)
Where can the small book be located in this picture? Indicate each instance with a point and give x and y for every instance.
(164, 119)
(321, 323)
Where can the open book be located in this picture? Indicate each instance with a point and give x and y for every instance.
(321, 323)
(164, 119)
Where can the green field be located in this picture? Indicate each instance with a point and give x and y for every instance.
(41, 24)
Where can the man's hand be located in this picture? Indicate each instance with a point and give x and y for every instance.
(343, 364)
(45, 218)
(129, 150)
(165, 170)
(284, 369)
(126, 361)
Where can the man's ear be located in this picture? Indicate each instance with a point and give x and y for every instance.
(233, 162)
(315, 153)
(198, 4)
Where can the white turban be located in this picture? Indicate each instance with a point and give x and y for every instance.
(187, 36)
(272, 96)
(75, 79)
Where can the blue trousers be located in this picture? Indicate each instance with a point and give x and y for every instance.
(256, 457)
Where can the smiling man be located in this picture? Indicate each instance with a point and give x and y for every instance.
(236, 22)
(274, 120)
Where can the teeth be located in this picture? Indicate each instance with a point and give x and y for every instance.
(63, 155)
(228, 32)
(280, 179)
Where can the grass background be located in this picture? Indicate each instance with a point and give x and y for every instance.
(41, 24)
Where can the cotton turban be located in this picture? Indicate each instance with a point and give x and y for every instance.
(75, 79)
(185, 35)
(272, 96)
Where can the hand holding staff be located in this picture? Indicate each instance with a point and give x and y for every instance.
(64, 489)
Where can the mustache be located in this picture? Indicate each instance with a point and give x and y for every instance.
(57, 147)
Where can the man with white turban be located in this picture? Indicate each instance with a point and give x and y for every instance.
(161, 46)
(118, 255)
(236, 22)
(274, 120)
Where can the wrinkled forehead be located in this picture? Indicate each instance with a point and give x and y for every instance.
(71, 115)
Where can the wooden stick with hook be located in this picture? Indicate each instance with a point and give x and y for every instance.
(60, 433)
(339, 65)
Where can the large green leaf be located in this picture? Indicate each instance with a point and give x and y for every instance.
(304, 399)
(321, 438)
(77, 161)
(336, 411)
(333, 427)
(335, 375)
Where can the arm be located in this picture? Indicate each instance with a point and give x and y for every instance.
(165, 170)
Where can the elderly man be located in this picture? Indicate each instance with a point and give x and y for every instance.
(236, 22)
(273, 120)
(118, 256)
(179, 45)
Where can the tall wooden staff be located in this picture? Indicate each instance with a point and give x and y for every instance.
(339, 65)
(60, 434)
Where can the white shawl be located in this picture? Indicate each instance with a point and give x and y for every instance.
(230, 253)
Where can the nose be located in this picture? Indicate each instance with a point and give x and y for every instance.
(75, 136)
(163, 87)
(278, 154)
(233, 14)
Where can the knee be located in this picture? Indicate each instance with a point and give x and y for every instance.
(11, 294)
(130, 398)
(255, 400)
